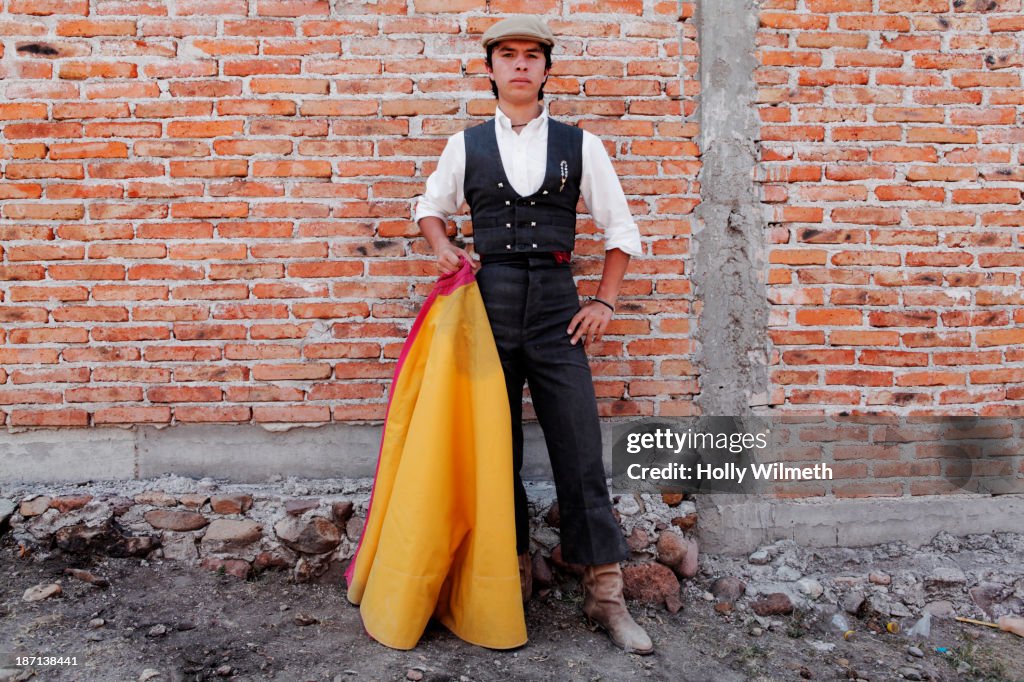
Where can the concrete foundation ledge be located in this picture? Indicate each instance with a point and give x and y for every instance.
(242, 453)
(737, 525)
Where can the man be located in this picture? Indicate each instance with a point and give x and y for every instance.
(522, 174)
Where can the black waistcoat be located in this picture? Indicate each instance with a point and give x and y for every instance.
(505, 222)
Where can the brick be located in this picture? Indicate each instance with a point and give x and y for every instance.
(838, 316)
(59, 417)
(132, 415)
(920, 318)
(184, 394)
(292, 413)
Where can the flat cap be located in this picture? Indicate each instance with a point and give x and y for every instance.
(525, 27)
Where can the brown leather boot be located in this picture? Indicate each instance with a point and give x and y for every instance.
(605, 605)
(526, 576)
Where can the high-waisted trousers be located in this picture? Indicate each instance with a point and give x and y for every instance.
(530, 303)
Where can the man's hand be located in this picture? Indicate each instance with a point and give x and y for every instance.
(589, 323)
(449, 255)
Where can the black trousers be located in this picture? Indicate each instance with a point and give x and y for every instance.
(530, 302)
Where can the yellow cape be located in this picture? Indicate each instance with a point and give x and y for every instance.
(439, 537)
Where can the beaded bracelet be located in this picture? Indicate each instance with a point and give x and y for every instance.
(603, 302)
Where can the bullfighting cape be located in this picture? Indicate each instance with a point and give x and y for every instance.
(439, 538)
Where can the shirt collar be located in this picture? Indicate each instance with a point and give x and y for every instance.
(505, 123)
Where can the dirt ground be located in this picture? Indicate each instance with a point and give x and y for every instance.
(164, 621)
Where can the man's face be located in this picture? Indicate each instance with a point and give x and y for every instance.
(518, 69)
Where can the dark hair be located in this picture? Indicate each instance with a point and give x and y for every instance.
(547, 65)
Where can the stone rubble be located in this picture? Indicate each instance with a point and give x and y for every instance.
(310, 528)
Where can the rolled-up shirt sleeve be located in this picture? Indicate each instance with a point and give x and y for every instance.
(605, 200)
(443, 195)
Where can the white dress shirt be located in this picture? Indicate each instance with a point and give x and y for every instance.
(524, 157)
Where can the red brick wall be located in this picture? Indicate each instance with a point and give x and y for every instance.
(892, 168)
(206, 203)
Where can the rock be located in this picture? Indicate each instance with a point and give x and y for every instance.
(910, 673)
(853, 603)
(226, 535)
(787, 574)
(34, 506)
(649, 582)
(341, 512)
(7, 508)
(158, 630)
(132, 545)
(87, 577)
(149, 674)
(413, 674)
(556, 559)
(553, 518)
(66, 503)
(237, 503)
(638, 540)
(270, 560)
(542, 576)
(628, 505)
(547, 537)
(810, 587)
(313, 536)
(97, 623)
(879, 578)
(193, 500)
(989, 595)
(235, 567)
(690, 562)
(759, 558)
(157, 498)
(723, 607)
(687, 522)
(672, 499)
(224, 670)
(915, 652)
(678, 553)
(671, 550)
(940, 609)
(673, 603)
(300, 507)
(728, 589)
(334, 572)
(945, 576)
(354, 528)
(84, 539)
(179, 547)
(41, 591)
(774, 604)
(303, 620)
(170, 519)
(120, 505)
